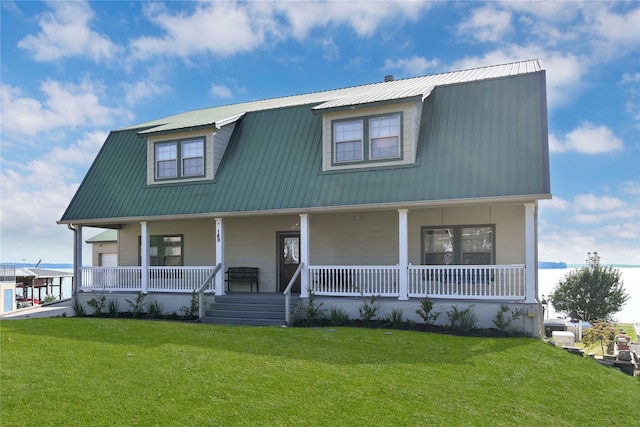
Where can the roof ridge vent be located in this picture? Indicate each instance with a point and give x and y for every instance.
(389, 78)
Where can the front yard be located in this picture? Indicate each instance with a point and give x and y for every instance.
(92, 371)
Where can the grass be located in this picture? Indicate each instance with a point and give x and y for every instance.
(122, 372)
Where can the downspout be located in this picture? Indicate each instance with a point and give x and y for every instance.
(74, 281)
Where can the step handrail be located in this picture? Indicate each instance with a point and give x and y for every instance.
(205, 285)
(287, 295)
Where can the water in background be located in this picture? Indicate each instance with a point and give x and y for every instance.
(548, 279)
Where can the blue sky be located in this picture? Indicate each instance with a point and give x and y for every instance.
(72, 71)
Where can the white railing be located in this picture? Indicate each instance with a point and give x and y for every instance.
(177, 279)
(161, 279)
(111, 278)
(354, 280)
(467, 281)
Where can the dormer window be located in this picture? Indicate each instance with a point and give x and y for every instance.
(367, 138)
(179, 159)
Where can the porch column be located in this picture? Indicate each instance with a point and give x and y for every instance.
(304, 255)
(530, 252)
(144, 255)
(78, 257)
(403, 253)
(220, 256)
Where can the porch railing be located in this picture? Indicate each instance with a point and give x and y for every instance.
(161, 279)
(467, 281)
(354, 280)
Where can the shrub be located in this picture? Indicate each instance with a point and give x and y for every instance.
(155, 310)
(192, 311)
(338, 316)
(315, 312)
(462, 320)
(426, 305)
(78, 309)
(113, 307)
(368, 309)
(97, 304)
(503, 322)
(601, 332)
(137, 306)
(396, 318)
(49, 298)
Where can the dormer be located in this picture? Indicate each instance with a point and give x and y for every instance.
(360, 135)
(186, 155)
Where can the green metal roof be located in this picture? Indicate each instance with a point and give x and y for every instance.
(108, 236)
(356, 95)
(479, 139)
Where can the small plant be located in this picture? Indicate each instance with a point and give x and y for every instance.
(97, 304)
(49, 298)
(503, 321)
(338, 316)
(426, 306)
(113, 307)
(78, 309)
(462, 320)
(137, 306)
(368, 309)
(192, 311)
(315, 312)
(155, 310)
(396, 318)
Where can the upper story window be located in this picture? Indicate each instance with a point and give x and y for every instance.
(179, 159)
(367, 138)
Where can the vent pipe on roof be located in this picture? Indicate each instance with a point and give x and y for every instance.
(389, 78)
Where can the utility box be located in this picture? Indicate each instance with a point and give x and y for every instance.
(563, 338)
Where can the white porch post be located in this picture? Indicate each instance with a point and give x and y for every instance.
(144, 255)
(220, 256)
(78, 257)
(403, 253)
(530, 252)
(304, 255)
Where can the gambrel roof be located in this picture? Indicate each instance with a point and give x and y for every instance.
(483, 136)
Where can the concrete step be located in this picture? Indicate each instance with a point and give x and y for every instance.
(248, 309)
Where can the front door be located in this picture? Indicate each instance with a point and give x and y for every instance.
(288, 259)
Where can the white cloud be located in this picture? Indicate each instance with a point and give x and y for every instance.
(630, 78)
(414, 66)
(64, 105)
(593, 203)
(221, 91)
(134, 93)
(556, 203)
(587, 139)
(486, 24)
(65, 32)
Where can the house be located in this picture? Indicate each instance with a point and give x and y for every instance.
(404, 189)
(104, 248)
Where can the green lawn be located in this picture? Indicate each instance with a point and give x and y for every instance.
(90, 372)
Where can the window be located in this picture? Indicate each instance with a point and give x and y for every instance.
(180, 159)
(468, 245)
(163, 250)
(382, 134)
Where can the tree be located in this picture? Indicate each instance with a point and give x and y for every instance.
(594, 292)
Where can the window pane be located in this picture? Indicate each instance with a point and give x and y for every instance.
(167, 169)
(193, 157)
(477, 245)
(348, 151)
(385, 136)
(193, 166)
(166, 160)
(348, 141)
(438, 246)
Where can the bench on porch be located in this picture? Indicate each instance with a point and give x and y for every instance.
(243, 274)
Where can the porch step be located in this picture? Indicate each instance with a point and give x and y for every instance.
(248, 309)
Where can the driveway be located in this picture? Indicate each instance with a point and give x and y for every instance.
(56, 309)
